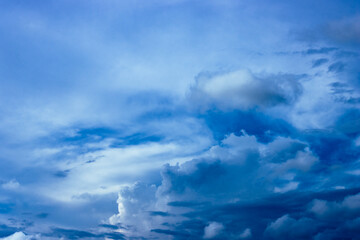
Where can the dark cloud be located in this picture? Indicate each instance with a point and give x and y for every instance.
(340, 88)
(338, 33)
(319, 62)
(109, 233)
(71, 233)
(332, 146)
(62, 174)
(210, 196)
(172, 233)
(109, 226)
(286, 227)
(345, 31)
(346, 54)
(42, 215)
(7, 230)
(248, 188)
(324, 50)
(138, 138)
(112, 235)
(187, 204)
(159, 213)
(276, 217)
(349, 123)
(337, 67)
(352, 100)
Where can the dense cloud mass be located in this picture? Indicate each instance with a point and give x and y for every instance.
(180, 120)
(240, 187)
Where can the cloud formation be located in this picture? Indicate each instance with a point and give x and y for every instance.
(218, 178)
(243, 90)
(179, 119)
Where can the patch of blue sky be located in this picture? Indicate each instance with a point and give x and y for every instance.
(253, 122)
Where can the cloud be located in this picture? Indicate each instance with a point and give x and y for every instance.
(93, 104)
(288, 187)
(245, 234)
(345, 30)
(212, 230)
(319, 62)
(323, 50)
(6, 230)
(336, 67)
(286, 227)
(20, 236)
(264, 127)
(71, 233)
(243, 90)
(11, 185)
(349, 208)
(208, 184)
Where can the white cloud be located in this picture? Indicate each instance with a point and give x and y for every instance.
(348, 208)
(11, 185)
(20, 236)
(357, 141)
(246, 234)
(212, 230)
(287, 227)
(220, 175)
(288, 187)
(243, 90)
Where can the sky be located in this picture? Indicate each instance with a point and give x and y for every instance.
(179, 119)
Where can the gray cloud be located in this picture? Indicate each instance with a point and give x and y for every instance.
(286, 227)
(345, 31)
(319, 62)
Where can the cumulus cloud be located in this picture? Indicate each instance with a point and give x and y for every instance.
(20, 236)
(212, 230)
(243, 90)
(332, 211)
(238, 169)
(286, 227)
(134, 205)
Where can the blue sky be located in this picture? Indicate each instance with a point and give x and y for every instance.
(179, 119)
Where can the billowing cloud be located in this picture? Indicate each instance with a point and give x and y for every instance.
(21, 236)
(286, 227)
(223, 175)
(213, 230)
